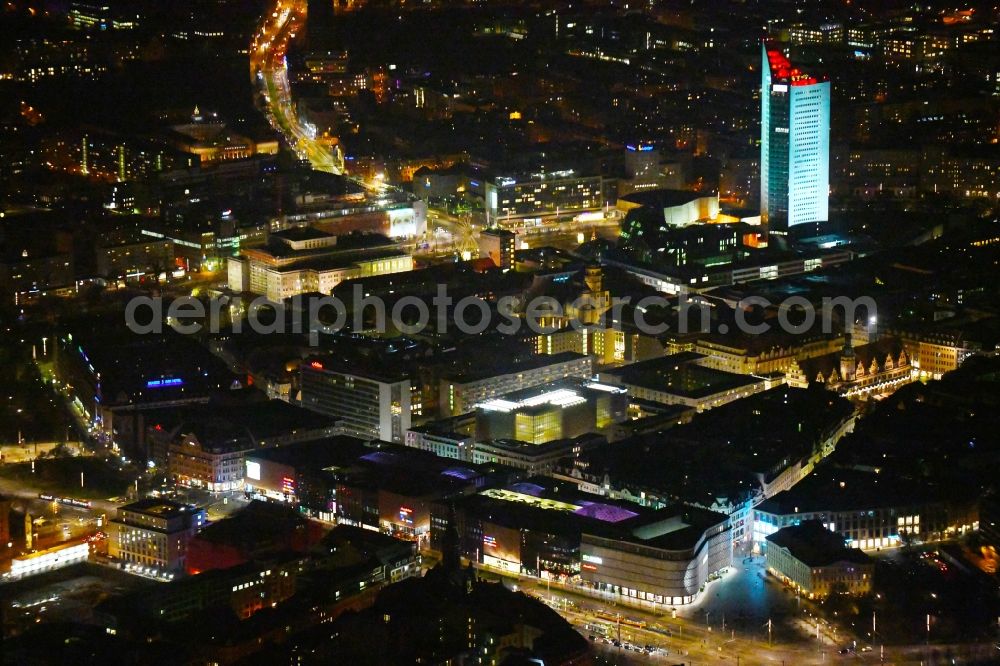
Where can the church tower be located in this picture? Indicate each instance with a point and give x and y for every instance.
(848, 362)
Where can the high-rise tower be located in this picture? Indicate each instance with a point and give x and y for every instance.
(794, 143)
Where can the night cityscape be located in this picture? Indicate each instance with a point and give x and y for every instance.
(499, 332)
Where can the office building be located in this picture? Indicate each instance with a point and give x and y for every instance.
(89, 16)
(23, 274)
(135, 257)
(116, 377)
(371, 403)
(827, 33)
(154, 534)
(498, 245)
(795, 143)
(210, 454)
(533, 459)
(513, 200)
(935, 352)
(259, 531)
(455, 438)
(814, 561)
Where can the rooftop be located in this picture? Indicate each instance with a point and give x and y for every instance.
(664, 198)
(412, 473)
(257, 522)
(782, 69)
(562, 394)
(679, 374)
(302, 234)
(161, 508)
(815, 546)
(546, 504)
(510, 367)
(831, 488)
(319, 454)
(726, 453)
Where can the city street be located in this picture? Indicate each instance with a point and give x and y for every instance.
(696, 637)
(267, 59)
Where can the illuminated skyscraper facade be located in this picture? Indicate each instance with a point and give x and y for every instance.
(795, 144)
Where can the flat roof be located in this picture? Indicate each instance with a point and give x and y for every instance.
(679, 374)
(301, 234)
(676, 527)
(724, 453)
(562, 394)
(345, 244)
(411, 472)
(255, 522)
(547, 504)
(665, 198)
(521, 365)
(319, 454)
(830, 488)
(162, 508)
(815, 546)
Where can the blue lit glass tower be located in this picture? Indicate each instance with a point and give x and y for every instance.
(794, 143)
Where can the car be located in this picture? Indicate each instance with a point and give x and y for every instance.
(844, 651)
(592, 637)
(867, 648)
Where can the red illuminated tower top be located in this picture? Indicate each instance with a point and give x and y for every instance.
(782, 70)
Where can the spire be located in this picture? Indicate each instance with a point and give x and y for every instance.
(847, 362)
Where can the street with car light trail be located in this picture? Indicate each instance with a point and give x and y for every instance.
(448, 234)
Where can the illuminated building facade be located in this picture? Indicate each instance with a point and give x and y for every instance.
(200, 460)
(864, 513)
(813, 560)
(824, 33)
(302, 260)
(498, 245)
(56, 557)
(551, 412)
(154, 533)
(371, 405)
(540, 527)
(529, 197)
(795, 144)
(135, 258)
(666, 561)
